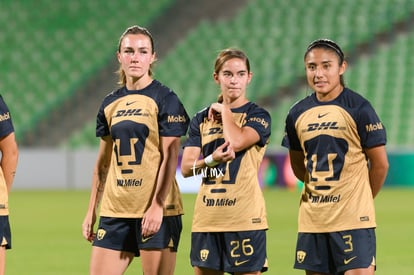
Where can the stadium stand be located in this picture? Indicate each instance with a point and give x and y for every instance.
(387, 80)
(51, 47)
(273, 33)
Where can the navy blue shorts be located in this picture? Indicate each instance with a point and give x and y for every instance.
(124, 234)
(5, 232)
(230, 252)
(336, 252)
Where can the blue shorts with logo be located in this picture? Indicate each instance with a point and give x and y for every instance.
(124, 234)
(336, 252)
(231, 252)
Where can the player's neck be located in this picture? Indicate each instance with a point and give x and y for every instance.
(139, 83)
(235, 103)
(330, 95)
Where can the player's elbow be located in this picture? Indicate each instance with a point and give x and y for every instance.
(186, 172)
(299, 171)
(380, 167)
(241, 144)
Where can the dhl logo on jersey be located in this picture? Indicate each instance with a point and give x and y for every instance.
(130, 112)
(214, 131)
(5, 116)
(328, 125)
(333, 125)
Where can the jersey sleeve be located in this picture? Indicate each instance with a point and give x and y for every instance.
(290, 139)
(194, 136)
(260, 120)
(6, 125)
(172, 117)
(102, 127)
(370, 128)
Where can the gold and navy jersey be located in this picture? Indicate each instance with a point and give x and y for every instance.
(135, 120)
(332, 135)
(6, 128)
(230, 198)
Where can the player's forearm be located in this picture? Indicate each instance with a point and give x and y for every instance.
(231, 131)
(377, 176)
(166, 173)
(297, 164)
(165, 178)
(186, 167)
(8, 164)
(378, 167)
(98, 187)
(94, 199)
(191, 168)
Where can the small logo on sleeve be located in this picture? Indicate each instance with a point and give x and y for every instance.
(5, 116)
(176, 119)
(374, 127)
(260, 120)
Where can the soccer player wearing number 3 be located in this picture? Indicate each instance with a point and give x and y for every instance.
(140, 126)
(229, 223)
(337, 148)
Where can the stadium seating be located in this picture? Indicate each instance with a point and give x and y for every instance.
(50, 47)
(274, 33)
(386, 80)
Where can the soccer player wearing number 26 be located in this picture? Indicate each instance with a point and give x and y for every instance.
(140, 125)
(229, 223)
(337, 148)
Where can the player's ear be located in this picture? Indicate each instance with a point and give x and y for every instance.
(215, 77)
(118, 56)
(249, 77)
(154, 58)
(343, 67)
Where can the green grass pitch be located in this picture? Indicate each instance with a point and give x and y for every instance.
(46, 230)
